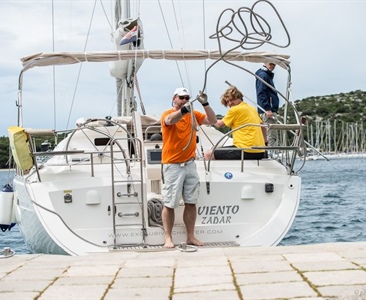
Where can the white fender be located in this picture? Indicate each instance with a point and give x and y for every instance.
(6, 207)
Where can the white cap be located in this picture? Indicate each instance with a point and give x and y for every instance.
(181, 92)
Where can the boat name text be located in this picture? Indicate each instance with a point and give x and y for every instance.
(217, 214)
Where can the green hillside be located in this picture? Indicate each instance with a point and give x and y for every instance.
(335, 123)
(344, 107)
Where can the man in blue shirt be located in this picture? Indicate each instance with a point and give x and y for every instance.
(267, 99)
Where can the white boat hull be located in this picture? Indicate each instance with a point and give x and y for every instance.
(70, 210)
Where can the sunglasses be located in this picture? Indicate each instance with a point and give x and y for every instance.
(184, 97)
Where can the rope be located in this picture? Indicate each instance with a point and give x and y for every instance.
(236, 31)
(155, 208)
(259, 34)
(139, 93)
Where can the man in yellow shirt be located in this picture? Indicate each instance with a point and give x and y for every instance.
(240, 113)
(180, 175)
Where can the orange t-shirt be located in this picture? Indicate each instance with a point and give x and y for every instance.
(176, 137)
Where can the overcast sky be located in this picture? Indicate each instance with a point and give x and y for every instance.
(327, 52)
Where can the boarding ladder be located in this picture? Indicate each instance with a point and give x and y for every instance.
(123, 200)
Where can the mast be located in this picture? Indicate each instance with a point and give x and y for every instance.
(117, 16)
(125, 71)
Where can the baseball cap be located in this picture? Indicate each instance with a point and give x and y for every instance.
(181, 92)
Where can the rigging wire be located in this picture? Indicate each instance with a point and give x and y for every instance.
(54, 67)
(170, 40)
(204, 30)
(81, 65)
(180, 30)
(106, 16)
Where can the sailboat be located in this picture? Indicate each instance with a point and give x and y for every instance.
(99, 188)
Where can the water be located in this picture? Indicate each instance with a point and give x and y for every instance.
(333, 203)
(332, 207)
(12, 238)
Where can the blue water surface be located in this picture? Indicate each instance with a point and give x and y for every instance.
(333, 203)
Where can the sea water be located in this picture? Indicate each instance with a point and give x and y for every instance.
(332, 206)
(12, 238)
(333, 203)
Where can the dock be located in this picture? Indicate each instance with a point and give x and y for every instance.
(318, 271)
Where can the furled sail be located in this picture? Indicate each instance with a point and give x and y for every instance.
(129, 33)
(65, 58)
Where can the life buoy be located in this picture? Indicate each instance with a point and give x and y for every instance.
(6, 208)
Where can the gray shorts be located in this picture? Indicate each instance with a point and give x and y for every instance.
(180, 181)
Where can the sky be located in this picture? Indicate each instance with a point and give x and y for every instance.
(327, 45)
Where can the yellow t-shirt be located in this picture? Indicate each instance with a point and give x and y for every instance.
(177, 136)
(248, 136)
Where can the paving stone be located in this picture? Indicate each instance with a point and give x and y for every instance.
(344, 291)
(142, 282)
(258, 266)
(151, 263)
(92, 270)
(268, 277)
(10, 266)
(18, 295)
(308, 298)
(39, 274)
(84, 280)
(23, 285)
(193, 261)
(142, 293)
(313, 257)
(324, 266)
(337, 277)
(203, 271)
(277, 290)
(196, 281)
(359, 261)
(145, 272)
(220, 295)
(353, 254)
(334, 270)
(205, 288)
(245, 258)
(91, 292)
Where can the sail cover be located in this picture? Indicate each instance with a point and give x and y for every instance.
(65, 58)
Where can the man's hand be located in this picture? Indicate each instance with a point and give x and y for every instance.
(186, 108)
(202, 98)
(269, 114)
(219, 124)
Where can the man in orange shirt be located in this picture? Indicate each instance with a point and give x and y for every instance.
(179, 169)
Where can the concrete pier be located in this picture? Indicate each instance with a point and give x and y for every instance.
(321, 271)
